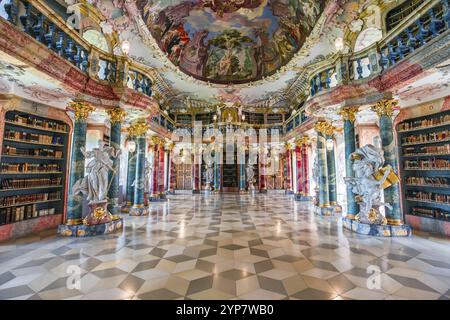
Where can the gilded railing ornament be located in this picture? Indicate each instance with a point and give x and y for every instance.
(385, 107)
(116, 115)
(81, 109)
(349, 113)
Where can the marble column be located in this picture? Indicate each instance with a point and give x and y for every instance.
(331, 169)
(77, 161)
(324, 200)
(116, 118)
(262, 172)
(154, 197)
(288, 160)
(196, 171)
(299, 177)
(216, 172)
(305, 168)
(242, 180)
(385, 110)
(138, 208)
(172, 177)
(161, 172)
(349, 116)
(131, 175)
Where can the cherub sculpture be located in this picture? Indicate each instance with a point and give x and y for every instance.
(370, 179)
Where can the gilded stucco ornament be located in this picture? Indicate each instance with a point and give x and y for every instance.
(116, 115)
(324, 127)
(302, 141)
(349, 113)
(81, 109)
(138, 129)
(385, 107)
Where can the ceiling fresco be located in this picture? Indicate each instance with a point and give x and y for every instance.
(230, 41)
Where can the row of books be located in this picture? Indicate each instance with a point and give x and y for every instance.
(438, 164)
(9, 150)
(431, 181)
(445, 149)
(425, 123)
(427, 137)
(27, 198)
(17, 214)
(431, 212)
(33, 137)
(29, 183)
(428, 196)
(29, 167)
(44, 124)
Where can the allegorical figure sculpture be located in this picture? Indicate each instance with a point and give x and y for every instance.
(370, 179)
(316, 173)
(250, 176)
(95, 184)
(209, 174)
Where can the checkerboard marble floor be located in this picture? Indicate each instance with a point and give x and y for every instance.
(226, 247)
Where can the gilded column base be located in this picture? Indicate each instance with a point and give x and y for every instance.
(139, 210)
(394, 222)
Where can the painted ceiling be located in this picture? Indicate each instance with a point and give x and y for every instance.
(233, 41)
(273, 40)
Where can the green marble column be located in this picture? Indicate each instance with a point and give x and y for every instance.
(138, 208)
(324, 199)
(116, 118)
(77, 161)
(131, 174)
(331, 168)
(385, 110)
(349, 116)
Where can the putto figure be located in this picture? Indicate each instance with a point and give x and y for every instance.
(370, 179)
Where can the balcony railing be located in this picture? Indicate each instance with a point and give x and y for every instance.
(432, 19)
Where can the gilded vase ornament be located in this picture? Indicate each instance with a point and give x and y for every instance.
(116, 115)
(81, 109)
(349, 113)
(385, 107)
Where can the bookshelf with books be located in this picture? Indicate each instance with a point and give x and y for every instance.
(33, 164)
(425, 171)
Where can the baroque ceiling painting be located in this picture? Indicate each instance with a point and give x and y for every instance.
(230, 41)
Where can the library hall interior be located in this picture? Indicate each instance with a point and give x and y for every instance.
(225, 150)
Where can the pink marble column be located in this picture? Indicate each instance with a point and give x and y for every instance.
(155, 185)
(288, 185)
(305, 169)
(161, 172)
(298, 154)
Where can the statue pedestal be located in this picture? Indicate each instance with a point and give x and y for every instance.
(98, 222)
(324, 211)
(377, 230)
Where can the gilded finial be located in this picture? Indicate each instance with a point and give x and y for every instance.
(81, 109)
(385, 107)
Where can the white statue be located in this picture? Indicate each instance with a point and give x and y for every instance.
(250, 176)
(95, 183)
(368, 183)
(209, 174)
(148, 175)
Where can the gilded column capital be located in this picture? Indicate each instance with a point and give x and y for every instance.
(385, 107)
(349, 113)
(324, 127)
(116, 115)
(302, 141)
(81, 109)
(138, 129)
(155, 141)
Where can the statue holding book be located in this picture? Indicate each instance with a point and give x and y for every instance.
(369, 181)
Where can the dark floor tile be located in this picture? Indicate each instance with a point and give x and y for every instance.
(108, 273)
(131, 283)
(5, 277)
(199, 285)
(146, 265)
(341, 284)
(263, 266)
(235, 274)
(313, 294)
(14, 292)
(160, 294)
(271, 285)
